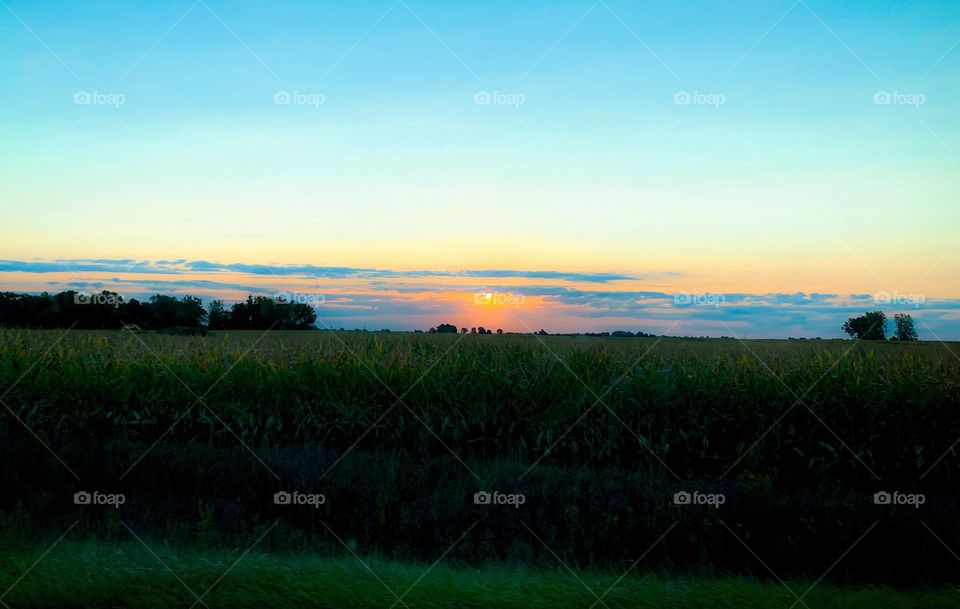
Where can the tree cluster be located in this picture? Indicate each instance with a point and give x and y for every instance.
(262, 313)
(873, 326)
(108, 310)
(452, 329)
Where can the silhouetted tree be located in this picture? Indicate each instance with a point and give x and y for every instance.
(217, 316)
(869, 326)
(447, 329)
(905, 328)
(170, 312)
(263, 312)
(138, 314)
(302, 316)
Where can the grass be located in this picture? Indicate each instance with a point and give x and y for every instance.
(96, 574)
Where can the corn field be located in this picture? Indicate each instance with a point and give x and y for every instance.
(785, 410)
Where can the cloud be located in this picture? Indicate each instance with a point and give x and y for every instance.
(76, 266)
(153, 286)
(296, 270)
(337, 272)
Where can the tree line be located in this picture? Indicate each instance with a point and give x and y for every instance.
(108, 310)
(452, 329)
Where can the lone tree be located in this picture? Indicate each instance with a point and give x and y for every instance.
(905, 328)
(217, 316)
(869, 326)
(447, 329)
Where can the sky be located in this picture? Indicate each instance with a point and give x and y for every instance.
(708, 168)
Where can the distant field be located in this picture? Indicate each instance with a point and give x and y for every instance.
(399, 430)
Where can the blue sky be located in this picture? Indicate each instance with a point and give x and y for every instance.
(698, 147)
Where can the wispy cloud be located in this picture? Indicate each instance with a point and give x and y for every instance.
(294, 270)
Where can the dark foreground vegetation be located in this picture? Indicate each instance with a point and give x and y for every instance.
(139, 577)
(398, 432)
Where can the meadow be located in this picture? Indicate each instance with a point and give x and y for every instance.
(398, 431)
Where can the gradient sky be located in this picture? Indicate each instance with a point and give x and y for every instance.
(789, 190)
